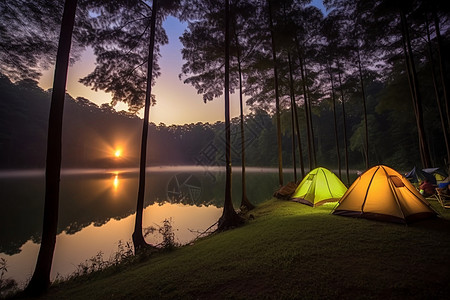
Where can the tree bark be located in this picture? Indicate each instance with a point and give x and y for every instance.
(345, 125)
(299, 139)
(436, 92)
(293, 119)
(366, 129)
(229, 218)
(441, 67)
(333, 97)
(310, 136)
(414, 87)
(40, 281)
(277, 97)
(245, 203)
(308, 99)
(138, 238)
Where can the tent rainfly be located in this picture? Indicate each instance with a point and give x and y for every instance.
(416, 176)
(318, 187)
(381, 193)
(438, 173)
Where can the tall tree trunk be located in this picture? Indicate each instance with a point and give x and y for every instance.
(294, 161)
(310, 137)
(308, 130)
(308, 99)
(333, 97)
(299, 138)
(345, 124)
(229, 216)
(293, 116)
(138, 238)
(408, 72)
(441, 66)
(245, 203)
(412, 76)
(277, 97)
(40, 281)
(436, 91)
(366, 128)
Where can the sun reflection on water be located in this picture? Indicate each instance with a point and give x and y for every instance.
(116, 182)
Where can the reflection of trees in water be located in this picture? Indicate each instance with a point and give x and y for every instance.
(261, 187)
(92, 199)
(21, 212)
(184, 188)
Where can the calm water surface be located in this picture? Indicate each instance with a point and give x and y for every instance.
(97, 210)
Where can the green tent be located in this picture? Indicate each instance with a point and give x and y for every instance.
(318, 187)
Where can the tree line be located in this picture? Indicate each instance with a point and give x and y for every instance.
(92, 132)
(286, 57)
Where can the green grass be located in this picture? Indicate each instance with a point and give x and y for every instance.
(289, 251)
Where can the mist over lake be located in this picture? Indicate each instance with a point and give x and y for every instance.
(97, 209)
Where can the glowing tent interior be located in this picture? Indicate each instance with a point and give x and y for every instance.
(381, 193)
(318, 187)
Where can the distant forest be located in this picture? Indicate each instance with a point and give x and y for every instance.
(367, 82)
(91, 133)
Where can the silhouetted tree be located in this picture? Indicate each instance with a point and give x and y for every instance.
(40, 281)
(276, 88)
(336, 135)
(229, 218)
(337, 50)
(119, 33)
(138, 238)
(436, 89)
(209, 38)
(247, 10)
(131, 82)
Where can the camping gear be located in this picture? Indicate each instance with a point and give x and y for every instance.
(443, 198)
(416, 176)
(318, 187)
(381, 193)
(286, 191)
(438, 173)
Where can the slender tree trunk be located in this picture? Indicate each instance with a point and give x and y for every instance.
(297, 128)
(229, 216)
(345, 124)
(441, 66)
(294, 161)
(138, 238)
(408, 72)
(436, 92)
(311, 150)
(245, 203)
(293, 115)
(277, 98)
(308, 130)
(412, 75)
(333, 97)
(442, 71)
(308, 99)
(299, 138)
(40, 281)
(366, 128)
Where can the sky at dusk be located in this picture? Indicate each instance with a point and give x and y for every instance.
(177, 103)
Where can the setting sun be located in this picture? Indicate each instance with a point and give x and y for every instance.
(118, 153)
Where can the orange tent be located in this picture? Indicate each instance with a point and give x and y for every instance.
(382, 193)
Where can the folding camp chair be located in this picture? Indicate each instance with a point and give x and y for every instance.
(443, 199)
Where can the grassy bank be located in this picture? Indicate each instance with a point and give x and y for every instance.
(289, 251)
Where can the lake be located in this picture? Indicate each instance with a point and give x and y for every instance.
(97, 210)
